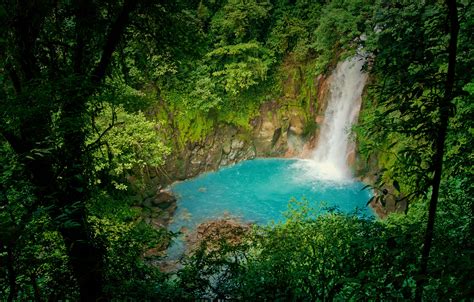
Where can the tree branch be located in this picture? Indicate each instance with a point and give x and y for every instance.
(97, 141)
(112, 40)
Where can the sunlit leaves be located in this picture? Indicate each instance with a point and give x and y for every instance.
(205, 95)
(129, 144)
(243, 65)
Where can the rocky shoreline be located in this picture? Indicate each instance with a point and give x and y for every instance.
(158, 210)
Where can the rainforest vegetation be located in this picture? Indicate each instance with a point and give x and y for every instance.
(96, 93)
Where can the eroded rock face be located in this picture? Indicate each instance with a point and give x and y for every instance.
(277, 131)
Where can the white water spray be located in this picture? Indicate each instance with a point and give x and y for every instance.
(329, 159)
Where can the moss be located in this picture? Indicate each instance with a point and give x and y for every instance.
(309, 128)
(245, 136)
(291, 85)
(193, 126)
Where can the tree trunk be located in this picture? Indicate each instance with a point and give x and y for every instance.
(61, 180)
(444, 105)
(86, 261)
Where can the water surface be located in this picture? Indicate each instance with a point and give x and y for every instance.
(258, 191)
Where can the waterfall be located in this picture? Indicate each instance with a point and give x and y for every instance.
(331, 155)
(329, 159)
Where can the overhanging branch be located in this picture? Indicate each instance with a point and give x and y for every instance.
(97, 141)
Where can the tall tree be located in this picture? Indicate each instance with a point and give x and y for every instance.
(56, 55)
(418, 71)
(445, 103)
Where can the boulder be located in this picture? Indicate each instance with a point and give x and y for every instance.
(214, 232)
(226, 147)
(237, 144)
(163, 200)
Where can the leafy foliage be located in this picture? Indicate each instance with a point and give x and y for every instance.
(131, 144)
(94, 93)
(31, 251)
(244, 65)
(317, 256)
(239, 21)
(55, 58)
(402, 116)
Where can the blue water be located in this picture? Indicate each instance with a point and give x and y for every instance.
(258, 191)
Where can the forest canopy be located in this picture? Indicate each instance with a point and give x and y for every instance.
(95, 95)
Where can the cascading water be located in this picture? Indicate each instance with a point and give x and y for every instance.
(329, 159)
(258, 190)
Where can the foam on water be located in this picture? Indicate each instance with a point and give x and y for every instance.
(259, 190)
(329, 160)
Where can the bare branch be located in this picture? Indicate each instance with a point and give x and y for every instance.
(96, 143)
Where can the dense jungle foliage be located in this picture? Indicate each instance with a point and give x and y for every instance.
(95, 93)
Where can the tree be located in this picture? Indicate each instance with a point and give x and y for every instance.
(417, 74)
(56, 56)
(445, 103)
(313, 255)
(240, 21)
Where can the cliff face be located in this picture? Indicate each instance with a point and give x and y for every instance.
(278, 130)
(286, 126)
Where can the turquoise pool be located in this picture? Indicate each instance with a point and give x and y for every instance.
(259, 190)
